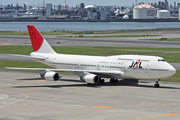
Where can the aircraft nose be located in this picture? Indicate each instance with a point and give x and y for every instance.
(172, 70)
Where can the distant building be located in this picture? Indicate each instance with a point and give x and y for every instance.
(48, 9)
(92, 14)
(103, 14)
(81, 5)
(144, 12)
(53, 17)
(25, 7)
(125, 17)
(179, 13)
(163, 14)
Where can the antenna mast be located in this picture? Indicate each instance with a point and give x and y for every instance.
(65, 5)
(43, 7)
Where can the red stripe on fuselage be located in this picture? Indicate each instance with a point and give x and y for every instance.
(137, 64)
(36, 37)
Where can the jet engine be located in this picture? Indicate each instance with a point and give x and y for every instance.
(51, 76)
(91, 79)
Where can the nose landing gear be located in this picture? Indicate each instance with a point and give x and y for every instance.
(156, 85)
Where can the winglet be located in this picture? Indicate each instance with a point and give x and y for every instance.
(36, 37)
(39, 43)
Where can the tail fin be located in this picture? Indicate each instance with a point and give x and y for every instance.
(39, 43)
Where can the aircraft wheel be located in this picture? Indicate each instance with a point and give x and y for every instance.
(116, 81)
(156, 85)
(102, 81)
(112, 80)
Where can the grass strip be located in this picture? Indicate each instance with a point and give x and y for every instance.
(85, 32)
(44, 33)
(22, 64)
(171, 57)
(95, 51)
(100, 51)
(26, 50)
(133, 31)
(168, 39)
(174, 78)
(106, 36)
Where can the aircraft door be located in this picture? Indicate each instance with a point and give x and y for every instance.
(98, 66)
(147, 69)
(77, 65)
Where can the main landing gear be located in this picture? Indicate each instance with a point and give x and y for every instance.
(114, 80)
(101, 81)
(156, 85)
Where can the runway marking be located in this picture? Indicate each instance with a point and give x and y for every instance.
(95, 107)
(103, 107)
(171, 114)
(165, 115)
(10, 103)
(40, 80)
(5, 44)
(4, 96)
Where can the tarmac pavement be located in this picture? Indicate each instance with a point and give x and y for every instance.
(25, 96)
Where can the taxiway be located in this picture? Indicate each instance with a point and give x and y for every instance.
(108, 42)
(24, 96)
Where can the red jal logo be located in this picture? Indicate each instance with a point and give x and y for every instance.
(136, 64)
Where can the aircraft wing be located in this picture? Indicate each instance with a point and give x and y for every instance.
(97, 72)
(16, 68)
(19, 55)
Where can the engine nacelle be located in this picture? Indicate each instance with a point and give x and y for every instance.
(51, 76)
(91, 79)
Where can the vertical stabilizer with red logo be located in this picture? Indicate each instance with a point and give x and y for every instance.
(39, 43)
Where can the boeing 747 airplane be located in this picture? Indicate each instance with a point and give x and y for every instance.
(92, 69)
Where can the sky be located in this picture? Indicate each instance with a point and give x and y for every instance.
(73, 3)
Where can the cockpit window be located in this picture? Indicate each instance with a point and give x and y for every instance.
(161, 60)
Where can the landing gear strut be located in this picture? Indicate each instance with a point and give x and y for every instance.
(156, 85)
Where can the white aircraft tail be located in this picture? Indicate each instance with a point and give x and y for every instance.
(39, 43)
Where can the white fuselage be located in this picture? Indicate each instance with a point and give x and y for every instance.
(133, 66)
